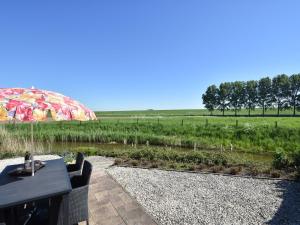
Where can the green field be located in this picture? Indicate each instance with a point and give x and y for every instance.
(191, 112)
(251, 134)
(178, 133)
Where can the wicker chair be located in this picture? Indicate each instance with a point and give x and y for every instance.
(78, 198)
(75, 169)
(2, 220)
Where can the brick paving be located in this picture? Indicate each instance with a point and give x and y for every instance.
(109, 203)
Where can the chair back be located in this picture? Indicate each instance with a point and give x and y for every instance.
(86, 172)
(79, 160)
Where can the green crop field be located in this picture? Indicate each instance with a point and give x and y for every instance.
(183, 131)
(191, 112)
(251, 134)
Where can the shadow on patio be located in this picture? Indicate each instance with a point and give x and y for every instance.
(289, 211)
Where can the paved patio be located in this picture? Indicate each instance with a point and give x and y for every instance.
(109, 203)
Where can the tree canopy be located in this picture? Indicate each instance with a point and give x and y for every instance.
(281, 92)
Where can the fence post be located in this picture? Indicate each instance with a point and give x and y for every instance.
(135, 142)
(181, 122)
(206, 122)
(236, 123)
(276, 124)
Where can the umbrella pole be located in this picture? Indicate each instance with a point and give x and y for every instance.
(32, 151)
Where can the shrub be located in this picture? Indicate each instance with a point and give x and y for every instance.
(136, 154)
(216, 169)
(201, 166)
(192, 167)
(235, 170)
(161, 163)
(173, 166)
(280, 160)
(296, 159)
(275, 174)
(134, 162)
(154, 165)
(253, 171)
(118, 161)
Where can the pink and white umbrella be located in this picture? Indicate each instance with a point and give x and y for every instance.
(34, 104)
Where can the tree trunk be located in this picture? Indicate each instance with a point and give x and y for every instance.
(294, 106)
(223, 111)
(263, 109)
(235, 112)
(278, 107)
(249, 111)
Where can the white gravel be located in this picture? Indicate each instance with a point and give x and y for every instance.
(19, 160)
(177, 198)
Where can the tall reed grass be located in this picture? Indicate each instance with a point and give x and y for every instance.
(216, 136)
(11, 144)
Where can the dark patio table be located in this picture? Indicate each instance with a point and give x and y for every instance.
(51, 182)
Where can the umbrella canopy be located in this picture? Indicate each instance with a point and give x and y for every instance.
(33, 104)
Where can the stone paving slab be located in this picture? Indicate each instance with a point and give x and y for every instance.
(109, 203)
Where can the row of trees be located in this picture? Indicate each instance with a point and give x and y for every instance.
(282, 92)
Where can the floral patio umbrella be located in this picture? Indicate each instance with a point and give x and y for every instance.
(23, 104)
(30, 105)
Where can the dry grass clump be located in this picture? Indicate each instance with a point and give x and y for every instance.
(154, 165)
(217, 169)
(118, 161)
(11, 144)
(201, 166)
(235, 170)
(133, 162)
(253, 171)
(144, 163)
(172, 166)
(275, 174)
(192, 167)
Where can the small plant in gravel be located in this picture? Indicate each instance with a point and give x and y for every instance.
(118, 161)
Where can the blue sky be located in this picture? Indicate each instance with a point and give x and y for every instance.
(156, 54)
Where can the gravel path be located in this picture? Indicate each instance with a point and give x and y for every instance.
(177, 198)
